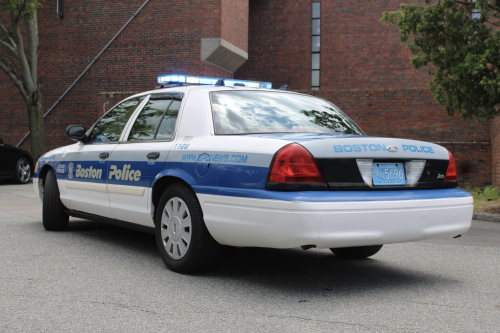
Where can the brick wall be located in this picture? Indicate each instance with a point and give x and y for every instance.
(495, 138)
(365, 71)
(234, 25)
(364, 68)
(164, 38)
(473, 162)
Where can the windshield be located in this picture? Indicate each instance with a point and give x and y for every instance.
(247, 112)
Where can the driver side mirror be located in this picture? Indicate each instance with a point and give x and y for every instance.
(1, 141)
(76, 132)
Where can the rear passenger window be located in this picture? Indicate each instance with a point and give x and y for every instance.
(167, 127)
(110, 126)
(156, 121)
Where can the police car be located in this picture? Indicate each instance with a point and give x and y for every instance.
(238, 164)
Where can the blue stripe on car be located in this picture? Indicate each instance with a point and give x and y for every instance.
(334, 196)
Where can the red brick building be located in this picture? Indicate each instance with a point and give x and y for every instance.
(332, 48)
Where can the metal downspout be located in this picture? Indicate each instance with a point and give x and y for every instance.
(88, 67)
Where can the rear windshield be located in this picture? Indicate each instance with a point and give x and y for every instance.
(247, 112)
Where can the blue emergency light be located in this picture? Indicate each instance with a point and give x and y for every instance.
(199, 80)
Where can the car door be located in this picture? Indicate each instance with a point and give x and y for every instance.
(141, 156)
(84, 188)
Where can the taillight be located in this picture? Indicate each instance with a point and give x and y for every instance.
(294, 164)
(451, 173)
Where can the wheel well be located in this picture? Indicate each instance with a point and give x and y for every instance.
(160, 186)
(43, 172)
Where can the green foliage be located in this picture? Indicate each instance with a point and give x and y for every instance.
(464, 52)
(21, 8)
(487, 194)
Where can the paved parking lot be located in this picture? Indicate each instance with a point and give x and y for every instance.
(96, 277)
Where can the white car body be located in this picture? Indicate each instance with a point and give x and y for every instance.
(228, 174)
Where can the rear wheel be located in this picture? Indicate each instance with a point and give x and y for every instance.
(183, 240)
(53, 216)
(23, 171)
(358, 252)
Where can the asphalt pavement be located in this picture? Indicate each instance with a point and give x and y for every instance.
(100, 278)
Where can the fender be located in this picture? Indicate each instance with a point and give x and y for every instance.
(175, 173)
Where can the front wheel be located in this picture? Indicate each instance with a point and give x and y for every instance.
(53, 216)
(183, 240)
(23, 171)
(358, 252)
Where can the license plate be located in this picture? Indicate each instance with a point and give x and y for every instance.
(388, 174)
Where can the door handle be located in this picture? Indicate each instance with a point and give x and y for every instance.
(153, 156)
(103, 155)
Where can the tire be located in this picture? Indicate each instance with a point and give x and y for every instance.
(53, 216)
(183, 240)
(359, 252)
(22, 173)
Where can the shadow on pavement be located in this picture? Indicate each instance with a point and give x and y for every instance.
(284, 270)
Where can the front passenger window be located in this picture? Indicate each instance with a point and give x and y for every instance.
(110, 126)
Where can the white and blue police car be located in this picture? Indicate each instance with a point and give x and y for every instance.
(239, 164)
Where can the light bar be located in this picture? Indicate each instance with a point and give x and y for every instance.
(199, 80)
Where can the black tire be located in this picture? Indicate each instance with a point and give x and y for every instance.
(53, 216)
(358, 252)
(22, 173)
(202, 251)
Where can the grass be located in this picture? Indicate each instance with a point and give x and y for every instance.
(486, 200)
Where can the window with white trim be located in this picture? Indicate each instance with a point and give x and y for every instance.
(315, 44)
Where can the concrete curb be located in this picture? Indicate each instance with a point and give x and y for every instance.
(486, 217)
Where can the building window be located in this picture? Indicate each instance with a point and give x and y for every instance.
(315, 44)
(476, 13)
(60, 9)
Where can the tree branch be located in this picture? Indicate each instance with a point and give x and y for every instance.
(7, 45)
(15, 79)
(20, 11)
(13, 66)
(11, 58)
(29, 85)
(32, 33)
(6, 32)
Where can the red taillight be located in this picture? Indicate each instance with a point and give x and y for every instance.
(451, 174)
(294, 164)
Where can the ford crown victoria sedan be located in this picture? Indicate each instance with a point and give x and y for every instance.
(206, 166)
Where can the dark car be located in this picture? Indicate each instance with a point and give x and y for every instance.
(15, 164)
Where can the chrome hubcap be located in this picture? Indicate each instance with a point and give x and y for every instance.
(23, 171)
(176, 228)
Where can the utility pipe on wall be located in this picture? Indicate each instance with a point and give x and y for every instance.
(88, 67)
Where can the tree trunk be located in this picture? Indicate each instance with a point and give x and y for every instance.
(37, 127)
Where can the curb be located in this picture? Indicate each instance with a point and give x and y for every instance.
(486, 217)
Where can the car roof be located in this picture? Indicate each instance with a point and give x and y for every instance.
(186, 89)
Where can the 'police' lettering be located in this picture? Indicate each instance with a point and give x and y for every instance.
(125, 173)
(379, 147)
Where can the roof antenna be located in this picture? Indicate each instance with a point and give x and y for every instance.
(220, 83)
(285, 86)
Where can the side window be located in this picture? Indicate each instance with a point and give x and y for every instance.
(156, 121)
(167, 126)
(110, 126)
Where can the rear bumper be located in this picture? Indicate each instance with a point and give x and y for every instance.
(240, 221)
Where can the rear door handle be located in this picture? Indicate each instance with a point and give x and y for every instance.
(153, 156)
(103, 155)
